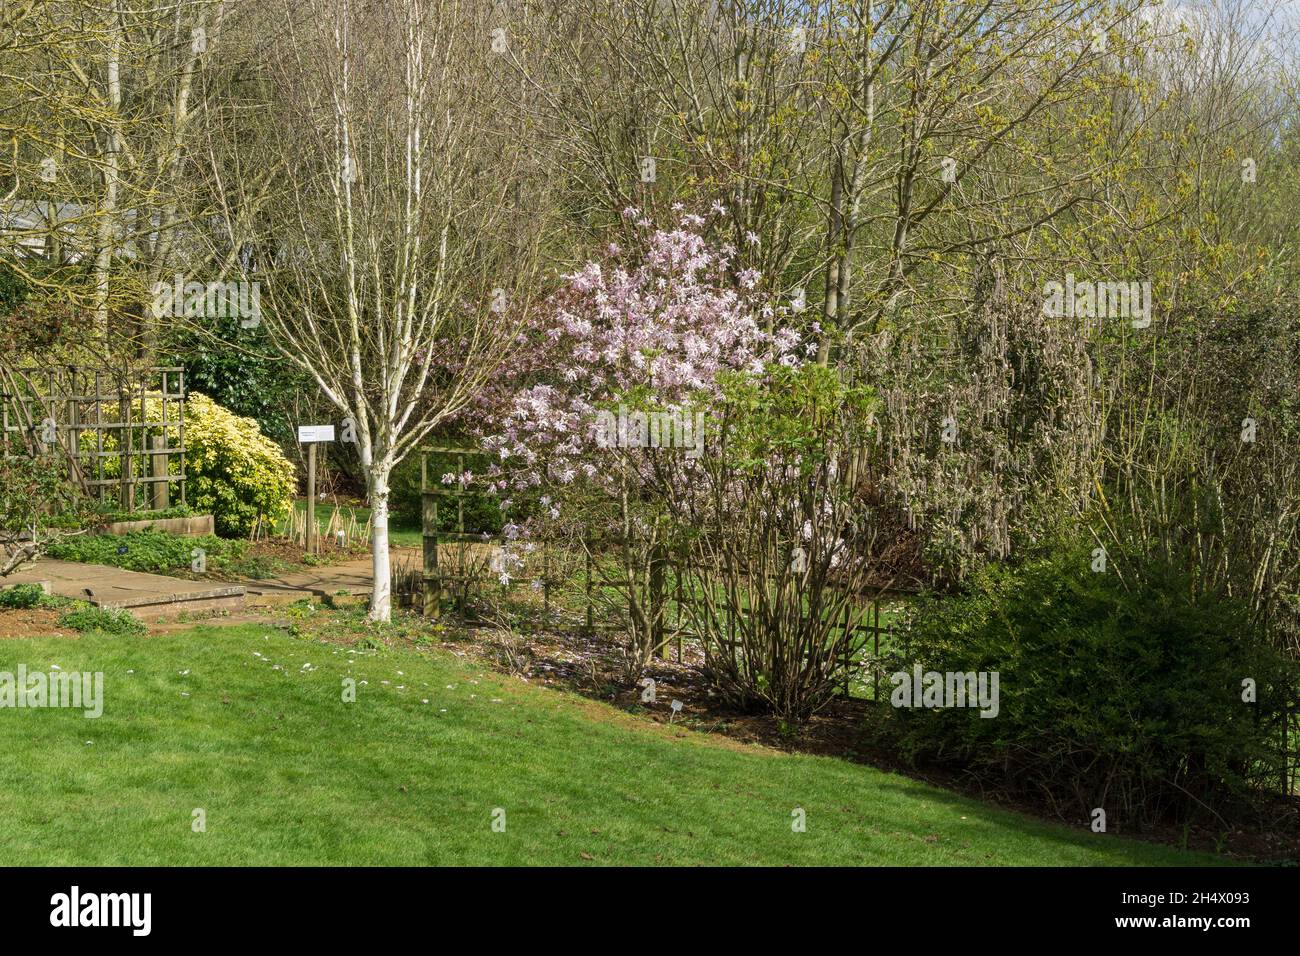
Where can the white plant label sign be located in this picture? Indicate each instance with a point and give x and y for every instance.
(315, 433)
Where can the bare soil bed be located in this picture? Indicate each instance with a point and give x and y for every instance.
(32, 622)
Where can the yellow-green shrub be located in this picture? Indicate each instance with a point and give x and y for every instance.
(232, 470)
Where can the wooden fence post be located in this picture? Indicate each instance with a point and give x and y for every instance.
(546, 576)
(126, 492)
(680, 572)
(432, 580)
(158, 470)
(875, 664)
(311, 497)
(587, 588)
(658, 602)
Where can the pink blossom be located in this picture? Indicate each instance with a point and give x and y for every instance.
(666, 319)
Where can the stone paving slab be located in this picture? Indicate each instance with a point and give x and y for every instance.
(156, 595)
(109, 587)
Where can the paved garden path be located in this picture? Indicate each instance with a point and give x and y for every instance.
(145, 595)
(151, 596)
(327, 580)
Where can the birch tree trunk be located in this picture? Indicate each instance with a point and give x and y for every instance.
(401, 242)
(381, 603)
(107, 233)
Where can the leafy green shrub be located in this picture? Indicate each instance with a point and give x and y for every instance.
(232, 470)
(150, 550)
(84, 617)
(38, 324)
(1124, 694)
(238, 368)
(13, 290)
(22, 596)
(769, 497)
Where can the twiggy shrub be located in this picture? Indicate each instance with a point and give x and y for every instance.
(781, 539)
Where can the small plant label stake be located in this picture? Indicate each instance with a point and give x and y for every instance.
(677, 709)
(949, 433)
(311, 436)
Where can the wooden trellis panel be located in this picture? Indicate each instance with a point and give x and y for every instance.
(99, 421)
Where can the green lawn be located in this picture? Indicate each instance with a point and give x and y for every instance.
(289, 773)
(399, 534)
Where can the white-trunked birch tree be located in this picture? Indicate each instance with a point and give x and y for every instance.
(400, 250)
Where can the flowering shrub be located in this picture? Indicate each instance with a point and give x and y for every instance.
(782, 541)
(649, 331)
(609, 421)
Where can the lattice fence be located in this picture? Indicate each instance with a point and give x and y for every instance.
(121, 433)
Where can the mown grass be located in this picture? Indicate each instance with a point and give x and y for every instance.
(228, 720)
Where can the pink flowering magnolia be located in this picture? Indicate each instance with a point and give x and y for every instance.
(652, 328)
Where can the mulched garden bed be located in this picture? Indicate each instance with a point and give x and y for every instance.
(32, 622)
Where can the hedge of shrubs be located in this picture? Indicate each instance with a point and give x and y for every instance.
(1125, 694)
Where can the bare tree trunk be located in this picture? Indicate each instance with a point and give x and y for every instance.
(381, 599)
(107, 234)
